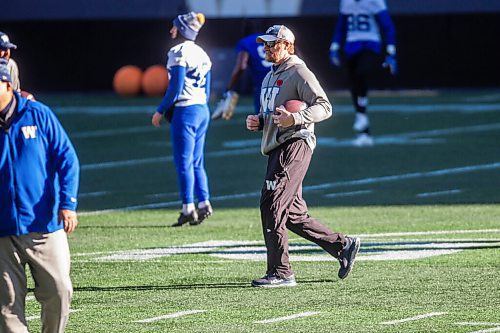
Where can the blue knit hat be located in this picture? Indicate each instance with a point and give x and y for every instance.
(4, 71)
(189, 24)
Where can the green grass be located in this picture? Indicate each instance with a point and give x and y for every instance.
(370, 192)
(111, 295)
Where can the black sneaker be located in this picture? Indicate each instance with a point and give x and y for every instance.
(203, 214)
(348, 256)
(183, 219)
(274, 281)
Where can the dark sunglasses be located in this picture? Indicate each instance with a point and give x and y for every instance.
(271, 43)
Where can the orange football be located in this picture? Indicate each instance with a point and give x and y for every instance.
(295, 105)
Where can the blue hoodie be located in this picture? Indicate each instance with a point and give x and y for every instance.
(39, 171)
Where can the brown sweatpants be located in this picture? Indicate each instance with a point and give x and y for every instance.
(282, 207)
(47, 255)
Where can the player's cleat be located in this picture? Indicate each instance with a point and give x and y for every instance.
(363, 140)
(361, 122)
(183, 219)
(348, 255)
(203, 214)
(274, 281)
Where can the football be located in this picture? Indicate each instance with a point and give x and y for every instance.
(295, 105)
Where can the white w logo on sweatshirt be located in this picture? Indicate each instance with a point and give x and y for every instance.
(29, 131)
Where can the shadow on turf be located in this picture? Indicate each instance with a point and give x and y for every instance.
(188, 286)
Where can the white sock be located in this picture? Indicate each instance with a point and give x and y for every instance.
(187, 208)
(203, 204)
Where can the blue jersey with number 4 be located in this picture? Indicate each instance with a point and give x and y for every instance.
(360, 25)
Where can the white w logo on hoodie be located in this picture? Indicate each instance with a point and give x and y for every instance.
(29, 131)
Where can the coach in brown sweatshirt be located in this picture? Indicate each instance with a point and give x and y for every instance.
(288, 140)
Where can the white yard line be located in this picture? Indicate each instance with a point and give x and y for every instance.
(481, 323)
(387, 249)
(111, 132)
(294, 316)
(438, 193)
(100, 110)
(488, 330)
(324, 141)
(169, 316)
(409, 108)
(125, 163)
(423, 233)
(93, 194)
(420, 137)
(389, 139)
(347, 194)
(406, 176)
(347, 108)
(322, 187)
(419, 317)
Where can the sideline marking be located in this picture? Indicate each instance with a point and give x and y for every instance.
(321, 187)
(169, 316)
(422, 316)
(298, 315)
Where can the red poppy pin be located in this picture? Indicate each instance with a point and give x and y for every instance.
(279, 83)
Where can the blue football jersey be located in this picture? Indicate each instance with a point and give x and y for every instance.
(360, 25)
(257, 63)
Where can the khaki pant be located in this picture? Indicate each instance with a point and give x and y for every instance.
(282, 207)
(47, 255)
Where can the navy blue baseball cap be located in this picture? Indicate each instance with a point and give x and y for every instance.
(4, 71)
(5, 43)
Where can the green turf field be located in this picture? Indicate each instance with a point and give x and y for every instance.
(424, 200)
